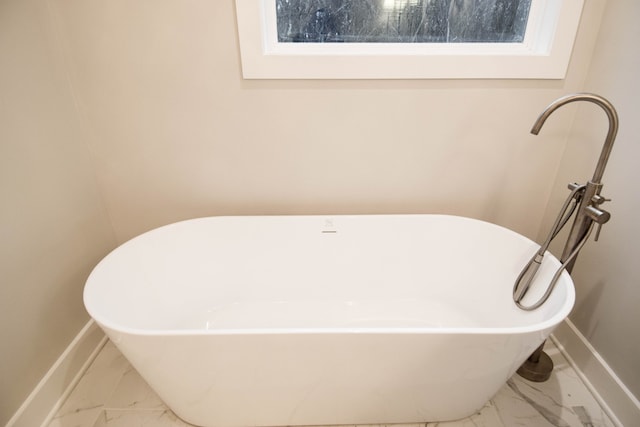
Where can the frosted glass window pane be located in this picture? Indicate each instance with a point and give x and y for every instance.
(402, 21)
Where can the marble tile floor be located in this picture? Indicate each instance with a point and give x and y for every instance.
(112, 394)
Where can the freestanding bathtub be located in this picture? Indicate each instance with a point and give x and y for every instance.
(309, 320)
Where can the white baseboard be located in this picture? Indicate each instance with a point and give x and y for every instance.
(45, 400)
(615, 398)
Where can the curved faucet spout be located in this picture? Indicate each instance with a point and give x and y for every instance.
(613, 125)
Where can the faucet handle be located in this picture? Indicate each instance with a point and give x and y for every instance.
(597, 215)
(597, 199)
(598, 232)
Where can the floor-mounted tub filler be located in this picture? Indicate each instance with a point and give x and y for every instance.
(585, 202)
(310, 320)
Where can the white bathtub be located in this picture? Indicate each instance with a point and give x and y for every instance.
(310, 320)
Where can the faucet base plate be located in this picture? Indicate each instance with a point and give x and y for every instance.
(537, 371)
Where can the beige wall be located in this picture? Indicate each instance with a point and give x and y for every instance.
(53, 224)
(141, 105)
(179, 133)
(607, 275)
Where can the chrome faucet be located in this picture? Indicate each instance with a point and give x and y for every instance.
(587, 199)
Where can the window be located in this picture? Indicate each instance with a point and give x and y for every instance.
(401, 21)
(295, 39)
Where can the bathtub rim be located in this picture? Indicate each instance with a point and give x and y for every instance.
(539, 327)
(565, 283)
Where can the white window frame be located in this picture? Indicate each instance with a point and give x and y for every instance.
(544, 53)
